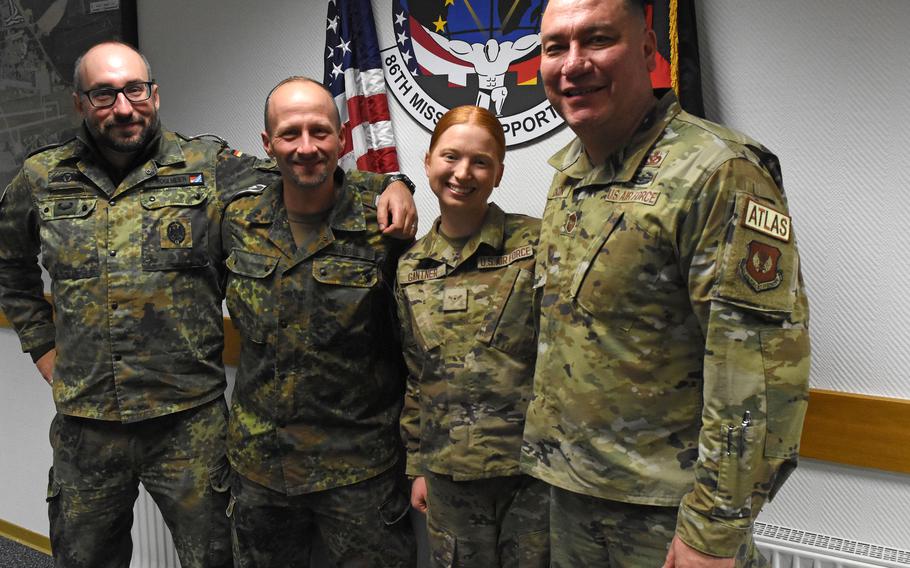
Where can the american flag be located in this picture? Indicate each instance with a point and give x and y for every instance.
(353, 74)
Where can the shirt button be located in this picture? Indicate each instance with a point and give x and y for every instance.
(322, 271)
(117, 357)
(113, 253)
(152, 198)
(148, 171)
(111, 202)
(114, 306)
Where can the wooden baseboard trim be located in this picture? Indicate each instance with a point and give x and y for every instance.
(25, 537)
(859, 430)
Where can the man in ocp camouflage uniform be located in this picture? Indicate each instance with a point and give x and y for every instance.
(672, 367)
(126, 217)
(313, 431)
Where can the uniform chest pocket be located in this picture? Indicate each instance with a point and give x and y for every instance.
(69, 244)
(174, 228)
(511, 327)
(343, 307)
(248, 294)
(621, 271)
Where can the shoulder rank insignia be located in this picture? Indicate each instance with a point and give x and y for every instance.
(759, 268)
(655, 158)
(766, 221)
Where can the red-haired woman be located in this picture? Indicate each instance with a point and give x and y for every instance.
(466, 301)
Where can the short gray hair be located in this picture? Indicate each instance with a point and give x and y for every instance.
(77, 70)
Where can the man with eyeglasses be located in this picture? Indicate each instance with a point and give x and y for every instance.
(126, 216)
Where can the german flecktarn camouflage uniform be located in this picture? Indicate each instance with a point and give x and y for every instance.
(137, 325)
(674, 347)
(320, 382)
(468, 327)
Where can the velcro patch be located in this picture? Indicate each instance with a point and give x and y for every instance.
(526, 251)
(766, 221)
(619, 195)
(571, 223)
(177, 180)
(425, 274)
(176, 234)
(760, 267)
(455, 300)
(66, 176)
(655, 158)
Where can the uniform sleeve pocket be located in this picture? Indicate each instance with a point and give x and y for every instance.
(786, 365)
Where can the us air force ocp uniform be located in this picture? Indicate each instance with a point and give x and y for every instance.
(137, 324)
(674, 347)
(468, 327)
(314, 414)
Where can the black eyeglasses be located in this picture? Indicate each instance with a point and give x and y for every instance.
(106, 97)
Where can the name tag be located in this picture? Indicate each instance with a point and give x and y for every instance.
(526, 251)
(178, 180)
(766, 221)
(427, 274)
(619, 195)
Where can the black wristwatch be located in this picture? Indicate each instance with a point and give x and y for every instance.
(392, 178)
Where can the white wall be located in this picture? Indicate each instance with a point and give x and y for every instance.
(821, 82)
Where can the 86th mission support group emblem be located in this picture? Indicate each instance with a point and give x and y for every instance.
(482, 52)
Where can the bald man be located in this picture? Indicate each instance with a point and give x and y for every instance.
(126, 216)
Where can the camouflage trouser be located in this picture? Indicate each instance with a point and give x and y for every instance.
(364, 525)
(94, 482)
(588, 531)
(502, 521)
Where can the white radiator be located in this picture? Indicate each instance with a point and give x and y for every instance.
(792, 548)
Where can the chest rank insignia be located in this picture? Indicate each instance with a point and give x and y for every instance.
(655, 158)
(455, 300)
(571, 223)
(177, 234)
(759, 268)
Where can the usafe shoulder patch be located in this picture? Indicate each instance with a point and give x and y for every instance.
(760, 267)
(643, 196)
(766, 221)
(526, 251)
(176, 180)
(425, 274)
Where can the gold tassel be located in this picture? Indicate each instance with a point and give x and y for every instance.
(674, 46)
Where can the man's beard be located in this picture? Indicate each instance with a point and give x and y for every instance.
(312, 182)
(105, 140)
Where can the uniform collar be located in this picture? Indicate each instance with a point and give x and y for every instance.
(434, 246)
(347, 212)
(573, 162)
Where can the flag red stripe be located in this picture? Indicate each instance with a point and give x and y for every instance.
(374, 108)
(380, 160)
